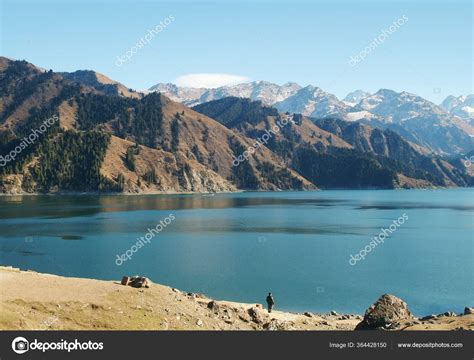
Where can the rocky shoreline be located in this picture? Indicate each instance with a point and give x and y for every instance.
(34, 301)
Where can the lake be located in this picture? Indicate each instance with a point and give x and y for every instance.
(298, 245)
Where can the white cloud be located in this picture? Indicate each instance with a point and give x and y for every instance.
(209, 80)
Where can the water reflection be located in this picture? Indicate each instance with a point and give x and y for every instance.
(56, 207)
(66, 206)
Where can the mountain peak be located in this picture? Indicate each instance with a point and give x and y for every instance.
(315, 90)
(356, 96)
(461, 106)
(259, 82)
(100, 82)
(267, 92)
(387, 93)
(292, 84)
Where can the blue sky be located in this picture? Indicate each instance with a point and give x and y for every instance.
(278, 41)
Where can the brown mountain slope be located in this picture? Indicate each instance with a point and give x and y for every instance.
(180, 150)
(389, 144)
(101, 83)
(173, 172)
(324, 150)
(253, 119)
(197, 137)
(301, 127)
(110, 140)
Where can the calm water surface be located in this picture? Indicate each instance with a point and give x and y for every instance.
(240, 246)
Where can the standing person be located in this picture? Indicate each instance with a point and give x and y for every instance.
(270, 302)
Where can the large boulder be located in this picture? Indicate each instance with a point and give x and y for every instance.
(212, 305)
(255, 315)
(386, 313)
(139, 281)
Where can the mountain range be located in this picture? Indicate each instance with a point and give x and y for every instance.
(443, 129)
(461, 106)
(109, 138)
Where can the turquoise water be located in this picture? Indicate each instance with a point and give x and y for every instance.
(240, 246)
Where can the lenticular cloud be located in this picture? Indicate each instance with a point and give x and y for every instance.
(209, 80)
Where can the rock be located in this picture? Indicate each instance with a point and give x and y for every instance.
(391, 326)
(449, 314)
(255, 315)
(259, 306)
(226, 314)
(308, 314)
(428, 317)
(139, 281)
(468, 311)
(195, 295)
(385, 313)
(199, 322)
(125, 280)
(212, 305)
(333, 313)
(244, 317)
(275, 325)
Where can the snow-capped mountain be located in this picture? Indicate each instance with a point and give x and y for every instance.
(291, 97)
(451, 102)
(264, 91)
(314, 102)
(461, 106)
(411, 116)
(355, 97)
(416, 119)
(394, 107)
(184, 95)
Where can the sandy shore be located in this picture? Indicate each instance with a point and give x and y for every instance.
(34, 301)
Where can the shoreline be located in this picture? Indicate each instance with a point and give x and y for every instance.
(166, 193)
(96, 193)
(37, 301)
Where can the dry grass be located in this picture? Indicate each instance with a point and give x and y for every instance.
(31, 300)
